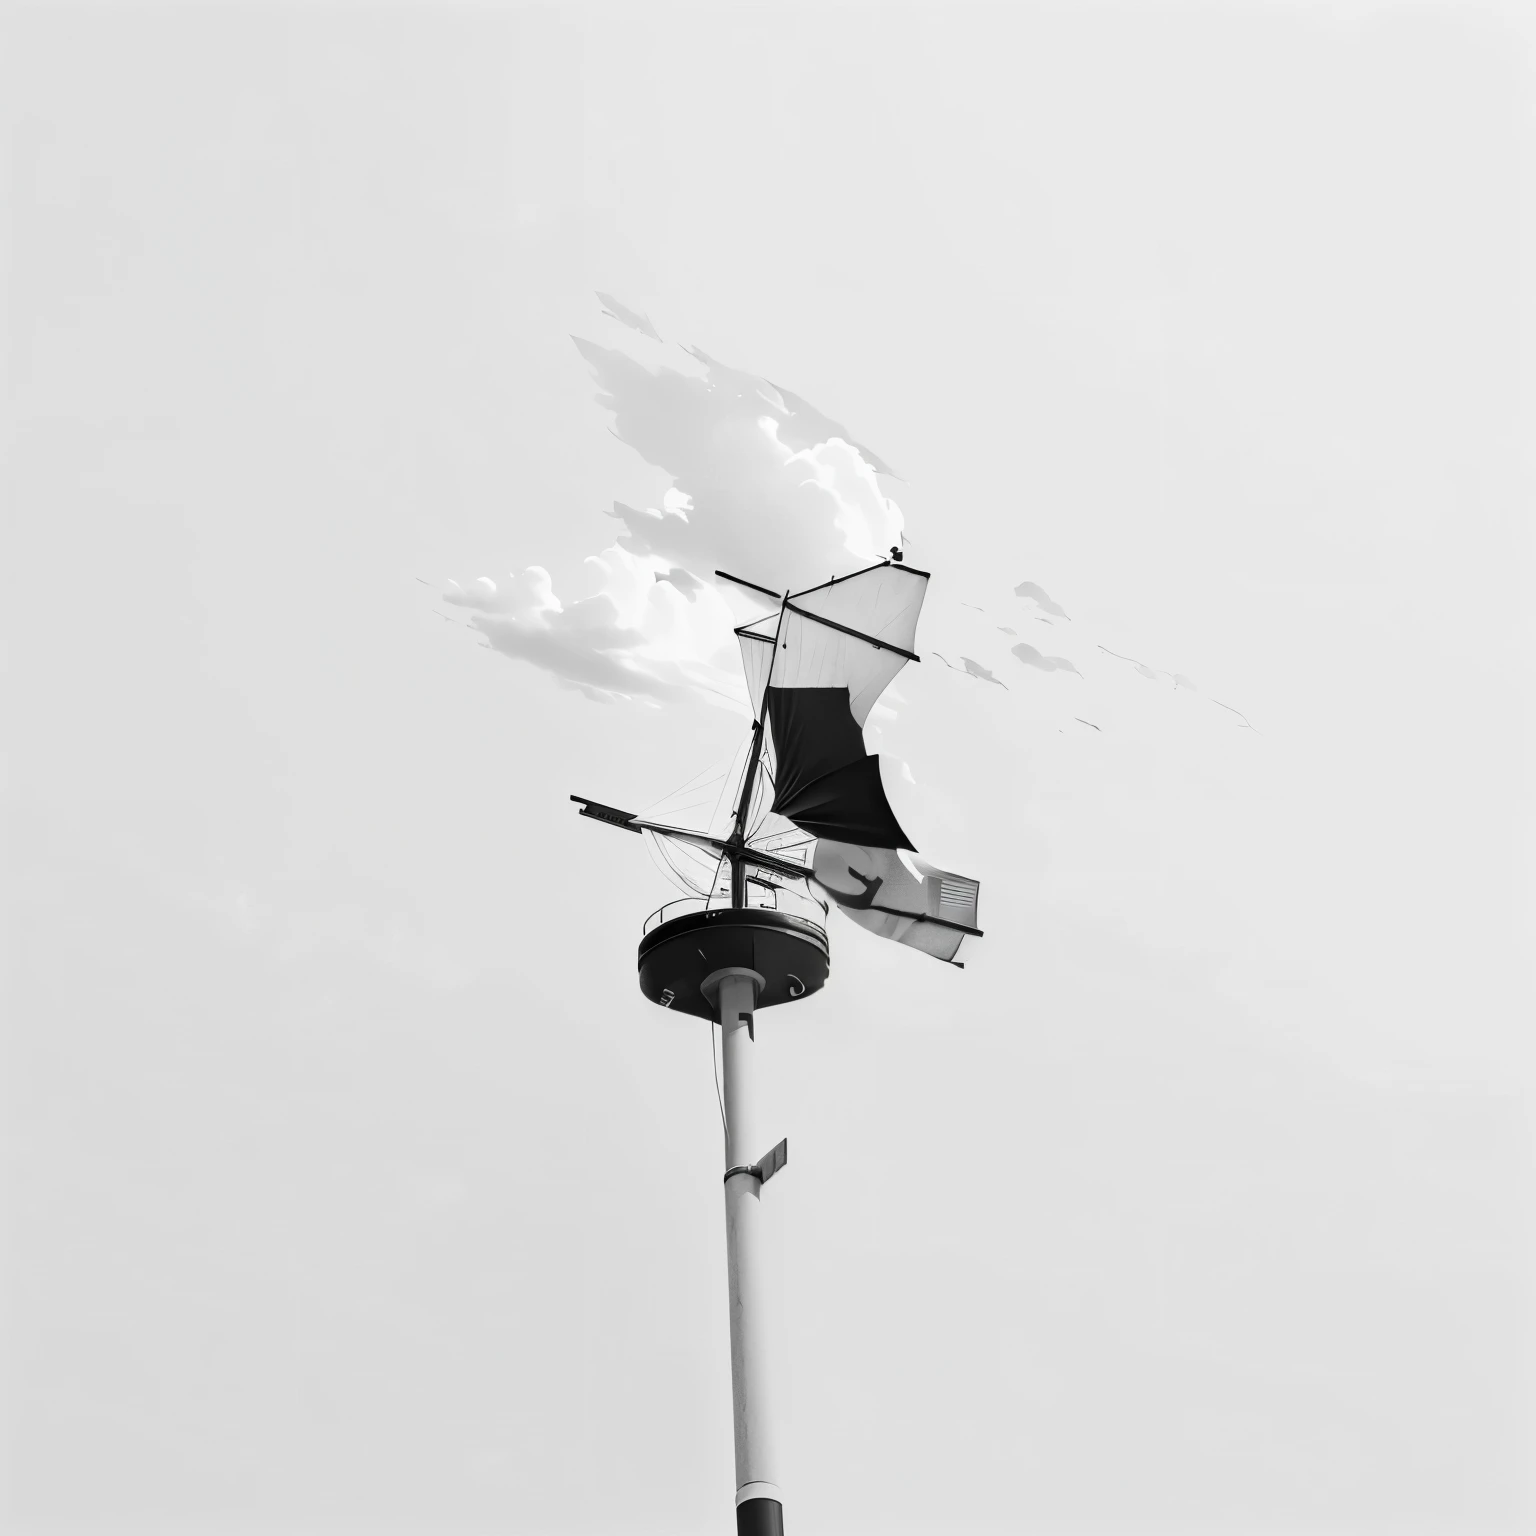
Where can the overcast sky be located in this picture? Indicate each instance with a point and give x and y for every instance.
(356, 1187)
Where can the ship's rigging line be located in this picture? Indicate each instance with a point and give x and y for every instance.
(672, 858)
(714, 1062)
(681, 864)
(763, 799)
(699, 783)
(747, 785)
(743, 815)
(726, 780)
(756, 814)
(683, 854)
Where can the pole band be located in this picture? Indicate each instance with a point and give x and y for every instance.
(710, 986)
(752, 1168)
(759, 1491)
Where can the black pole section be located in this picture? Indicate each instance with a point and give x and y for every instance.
(760, 1517)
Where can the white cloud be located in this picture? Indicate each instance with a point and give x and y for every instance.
(773, 494)
(768, 488)
(763, 486)
(637, 637)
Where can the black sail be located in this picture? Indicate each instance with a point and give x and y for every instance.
(824, 780)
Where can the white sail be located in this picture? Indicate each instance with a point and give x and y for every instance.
(757, 656)
(814, 671)
(899, 896)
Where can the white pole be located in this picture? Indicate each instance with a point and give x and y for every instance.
(759, 1503)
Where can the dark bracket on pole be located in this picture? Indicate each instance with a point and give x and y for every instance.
(770, 1165)
(765, 1168)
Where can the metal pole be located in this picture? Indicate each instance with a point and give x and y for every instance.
(759, 1503)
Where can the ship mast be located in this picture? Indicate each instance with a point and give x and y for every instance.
(737, 842)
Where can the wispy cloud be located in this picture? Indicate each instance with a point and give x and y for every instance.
(629, 640)
(1033, 593)
(768, 487)
(972, 668)
(1033, 658)
(976, 633)
(762, 484)
(627, 316)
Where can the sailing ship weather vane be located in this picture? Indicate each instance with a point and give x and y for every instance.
(753, 935)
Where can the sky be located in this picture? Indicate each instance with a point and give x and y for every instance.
(354, 1185)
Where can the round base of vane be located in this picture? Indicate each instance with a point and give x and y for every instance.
(789, 953)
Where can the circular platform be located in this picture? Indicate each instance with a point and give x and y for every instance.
(790, 953)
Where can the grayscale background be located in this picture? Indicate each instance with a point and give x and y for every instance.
(354, 1188)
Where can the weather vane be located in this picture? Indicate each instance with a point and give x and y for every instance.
(752, 934)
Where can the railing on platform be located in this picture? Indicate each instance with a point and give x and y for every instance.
(760, 897)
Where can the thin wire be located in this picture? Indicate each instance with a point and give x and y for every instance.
(727, 778)
(714, 885)
(766, 783)
(674, 862)
(755, 752)
(687, 784)
(725, 1130)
